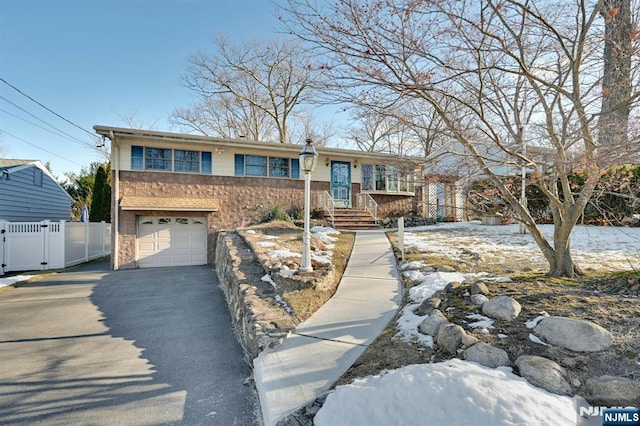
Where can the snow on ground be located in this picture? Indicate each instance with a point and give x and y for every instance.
(267, 278)
(427, 284)
(596, 247)
(480, 321)
(456, 392)
(453, 392)
(283, 254)
(324, 257)
(7, 281)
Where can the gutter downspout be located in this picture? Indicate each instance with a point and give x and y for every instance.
(115, 159)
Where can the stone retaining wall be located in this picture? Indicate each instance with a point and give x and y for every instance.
(259, 320)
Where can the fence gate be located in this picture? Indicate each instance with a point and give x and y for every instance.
(29, 246)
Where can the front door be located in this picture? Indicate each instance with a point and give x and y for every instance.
(341, 183)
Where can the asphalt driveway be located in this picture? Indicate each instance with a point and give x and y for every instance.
(133, 347)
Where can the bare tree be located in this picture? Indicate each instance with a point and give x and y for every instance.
(251, 89)
(132, 119)
(616, 80)
(513, 82)
(226, 116)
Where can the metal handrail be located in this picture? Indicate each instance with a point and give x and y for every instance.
(325, 202)
(366, 201)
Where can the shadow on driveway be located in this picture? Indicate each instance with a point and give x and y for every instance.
(152, 346)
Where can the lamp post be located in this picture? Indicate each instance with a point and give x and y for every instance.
(308, 160)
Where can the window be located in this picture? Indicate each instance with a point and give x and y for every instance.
(187, 161)
(37, 177)
(381, 178)
(392, 179)
(239, 165)
(147, 158)
(278, 167)
(256, 165)
(157, 159)
(137, 158)
(367, 177)
(386, 178)
(295, 168)
(206, 163)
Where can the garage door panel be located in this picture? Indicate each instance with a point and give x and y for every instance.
(171, 241)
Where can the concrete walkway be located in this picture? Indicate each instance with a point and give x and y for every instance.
(321, 349)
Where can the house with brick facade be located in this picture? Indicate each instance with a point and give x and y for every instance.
(172, 193)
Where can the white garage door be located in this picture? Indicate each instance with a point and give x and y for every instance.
(171, 241)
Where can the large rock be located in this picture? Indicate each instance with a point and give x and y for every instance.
(487, 355)
(479, 299)
(445, 268)
(502, 307)
(432, 323)
(572, 334)
(450, 337)
(544, 373)
(428, 306)
(480, 288)
(452, 286)
(613, 391)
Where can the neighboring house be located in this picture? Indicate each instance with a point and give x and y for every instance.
(173, 192)
(30, 193)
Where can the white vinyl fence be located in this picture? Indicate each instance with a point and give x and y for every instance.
(30, 246)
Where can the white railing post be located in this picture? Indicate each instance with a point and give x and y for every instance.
(86, 241)
(62, 242)
(102, 232)
(366, 201)
(45, 228)
(2, 244)
(328, 204)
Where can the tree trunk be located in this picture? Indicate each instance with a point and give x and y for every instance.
(563, 265)
(616, 77)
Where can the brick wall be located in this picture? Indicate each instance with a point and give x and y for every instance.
(240, 198)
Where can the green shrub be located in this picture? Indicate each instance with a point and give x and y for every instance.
(276, 212)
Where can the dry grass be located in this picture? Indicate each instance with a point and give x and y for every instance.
(608, 299)
(303, 293)
(599, 297)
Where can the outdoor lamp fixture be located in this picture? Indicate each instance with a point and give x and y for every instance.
(308, 160)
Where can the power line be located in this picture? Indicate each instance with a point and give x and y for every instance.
(47, 108)
(40, 148)
(62, 132)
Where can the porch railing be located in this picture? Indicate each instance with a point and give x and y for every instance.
(325, 202)
(365, 201)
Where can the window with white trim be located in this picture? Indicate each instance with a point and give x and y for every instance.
(260, 165)
(383, 178)
(168, 160)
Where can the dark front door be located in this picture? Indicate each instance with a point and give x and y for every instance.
(341, 183)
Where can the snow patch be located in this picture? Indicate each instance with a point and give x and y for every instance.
(451, 392)
(481, 321)
(536, 339)
(5, 282)
(532, 323)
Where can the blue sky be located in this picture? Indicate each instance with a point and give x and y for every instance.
(93, 60)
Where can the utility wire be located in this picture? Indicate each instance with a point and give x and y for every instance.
(40, 148)
(62, 132)
(47, 108)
